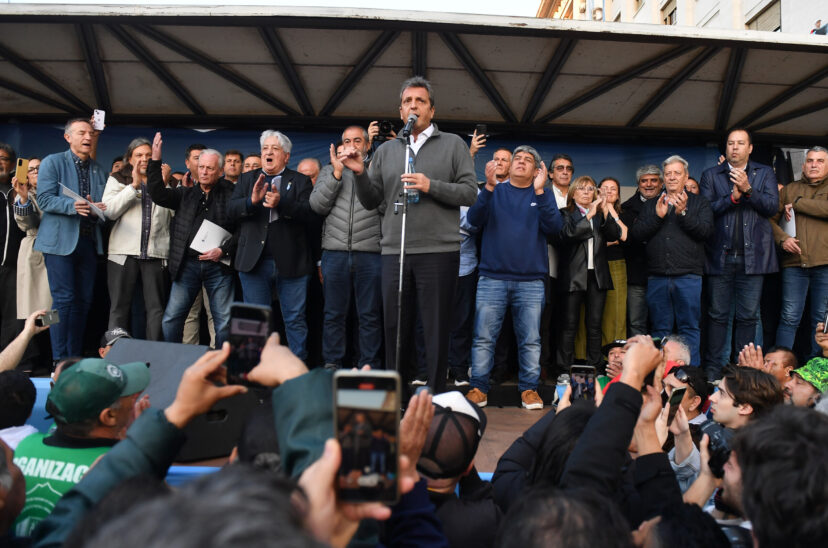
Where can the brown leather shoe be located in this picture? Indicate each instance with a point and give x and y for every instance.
(477, 397)
(531, 400)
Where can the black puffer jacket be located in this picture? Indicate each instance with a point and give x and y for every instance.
(184, 201)
(675, 243)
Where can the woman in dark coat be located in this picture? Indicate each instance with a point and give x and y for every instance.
(583, 272)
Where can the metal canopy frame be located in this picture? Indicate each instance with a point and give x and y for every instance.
(461, 36)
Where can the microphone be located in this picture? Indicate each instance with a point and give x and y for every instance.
(409, 125)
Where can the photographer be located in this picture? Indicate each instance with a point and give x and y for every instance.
(744, 394)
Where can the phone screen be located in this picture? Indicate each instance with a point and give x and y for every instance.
(367, 427)
(582, 381)
(249, 329)
(675, 400)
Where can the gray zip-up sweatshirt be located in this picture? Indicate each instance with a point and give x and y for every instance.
(348, 225)
(432, 224)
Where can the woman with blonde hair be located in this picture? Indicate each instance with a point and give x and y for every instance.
(583, 274)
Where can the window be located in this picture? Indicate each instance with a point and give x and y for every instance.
(769, 20)
(668, 13)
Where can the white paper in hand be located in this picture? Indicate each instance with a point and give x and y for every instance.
(75, 196)
(210, 236)
(788, 226)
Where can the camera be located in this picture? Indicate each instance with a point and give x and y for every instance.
(719, 446)
(386, 129)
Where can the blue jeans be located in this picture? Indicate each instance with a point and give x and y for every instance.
(676, 300)
(191, 276)
(72, 284)
(343, 274)
(526, 300)
(636, 309)
(796, 282)
(257, 287)
(732, 287)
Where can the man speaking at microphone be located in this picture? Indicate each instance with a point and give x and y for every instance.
(444, 180)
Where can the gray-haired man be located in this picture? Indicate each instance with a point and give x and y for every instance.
(675, 226)
(649, 182)
(272, 208)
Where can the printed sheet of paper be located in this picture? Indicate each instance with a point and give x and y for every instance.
(788, 226)
(210, 236)
(75, 196)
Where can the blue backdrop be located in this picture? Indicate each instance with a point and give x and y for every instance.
(597, 159)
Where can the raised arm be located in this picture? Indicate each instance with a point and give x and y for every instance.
(159, 192)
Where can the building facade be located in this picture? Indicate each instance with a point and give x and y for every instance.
(795, 16)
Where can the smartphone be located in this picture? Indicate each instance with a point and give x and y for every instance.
(250, 326)
(480, 129)
(824, 322)
(50, 318)
(582, 381)
(98, 119)
(22, 171)
(675, 400)
(367, 407)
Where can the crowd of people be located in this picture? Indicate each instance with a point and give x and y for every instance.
(582, 276)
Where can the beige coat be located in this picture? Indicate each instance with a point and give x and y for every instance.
(32, 284)
(123, 205)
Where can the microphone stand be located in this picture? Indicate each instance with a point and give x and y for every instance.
(404, 207)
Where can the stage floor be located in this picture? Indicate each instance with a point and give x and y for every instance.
(503, 426)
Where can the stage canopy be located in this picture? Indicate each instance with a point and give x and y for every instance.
(321, 68)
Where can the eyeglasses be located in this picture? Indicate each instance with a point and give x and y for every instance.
(564, 168)
(33, 169)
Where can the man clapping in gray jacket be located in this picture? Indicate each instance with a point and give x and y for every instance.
(351, 264)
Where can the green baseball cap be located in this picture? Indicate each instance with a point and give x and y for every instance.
(91, 385)
(816, 373)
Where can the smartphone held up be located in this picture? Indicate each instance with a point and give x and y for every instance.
(582, 381)
(367, 408)
(250, 326)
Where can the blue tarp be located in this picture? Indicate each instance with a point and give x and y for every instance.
(597, 159)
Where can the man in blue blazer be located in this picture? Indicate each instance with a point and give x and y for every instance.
(70, 235)
(744, 196)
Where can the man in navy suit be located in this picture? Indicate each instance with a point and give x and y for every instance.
(744, 196)
(70, 235)
(272, 207)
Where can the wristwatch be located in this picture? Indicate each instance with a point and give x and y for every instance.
(748, 192)
(683, 213)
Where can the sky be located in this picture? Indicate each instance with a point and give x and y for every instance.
(523, 8)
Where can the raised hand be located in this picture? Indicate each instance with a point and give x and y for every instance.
(681, 202)
(477, 142)
(272, 197)
(491, 180)
(662, 205)
(22, 190)
(540, 178)
(338, 166)
(136, 177)
(351, 158)
(259, 190)
(156, 146)
(201, 386)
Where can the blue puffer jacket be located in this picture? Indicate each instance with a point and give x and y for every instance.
(759, 251)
